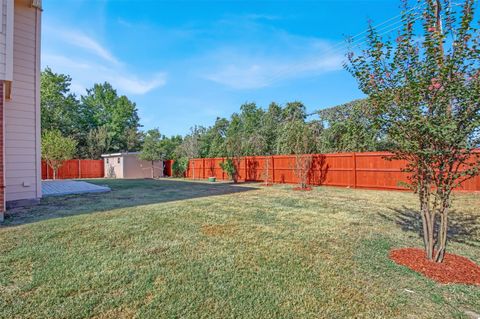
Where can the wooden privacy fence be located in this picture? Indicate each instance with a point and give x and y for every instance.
(356, 170)
(71, 169)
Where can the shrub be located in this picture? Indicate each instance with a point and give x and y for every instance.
(229, 167)
(180, 166)
(57, 149)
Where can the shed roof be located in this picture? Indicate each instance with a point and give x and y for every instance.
(120, 154)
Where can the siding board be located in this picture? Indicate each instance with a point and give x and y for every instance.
(22, 111)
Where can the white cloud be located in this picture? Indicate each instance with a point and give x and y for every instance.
(86, 69)
(83, 41)
(134, 85)
(249, 71)
(84, 74)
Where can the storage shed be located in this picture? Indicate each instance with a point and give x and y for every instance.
(129, 165)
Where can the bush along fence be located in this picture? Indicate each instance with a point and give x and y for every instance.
(72, 169)
(370, 170)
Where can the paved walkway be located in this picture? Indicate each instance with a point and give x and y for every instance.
(67, 187)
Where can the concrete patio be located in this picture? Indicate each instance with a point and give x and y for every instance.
(69, 187)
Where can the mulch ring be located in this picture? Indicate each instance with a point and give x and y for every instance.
(302, 189)
(454, 269)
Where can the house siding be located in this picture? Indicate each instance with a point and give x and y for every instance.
(2, 153)
(3, 38)
(6, 39)
(22, 112)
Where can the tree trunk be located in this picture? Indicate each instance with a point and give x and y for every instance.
(428, 220)
(153, 171)
(443, 229)
(54, 174)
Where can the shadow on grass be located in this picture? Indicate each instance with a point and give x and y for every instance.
(463, 227)
(125, 193)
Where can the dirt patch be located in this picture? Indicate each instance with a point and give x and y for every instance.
(302, 189)
(219, 229)
(454, 269)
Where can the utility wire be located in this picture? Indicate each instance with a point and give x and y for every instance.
(356, 43)
(343, 45)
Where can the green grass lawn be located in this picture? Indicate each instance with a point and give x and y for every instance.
(170, 248)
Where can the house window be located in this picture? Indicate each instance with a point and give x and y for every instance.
(107, 160)
(118, 160)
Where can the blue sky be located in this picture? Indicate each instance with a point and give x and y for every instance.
(187, 62)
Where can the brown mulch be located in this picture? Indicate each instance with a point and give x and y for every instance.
(302, 189)
(454, 269)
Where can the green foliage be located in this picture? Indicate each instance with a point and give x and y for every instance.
(229, 167)
(350, 127)
(180, 166)
(103, 107)
(56, 149)
(191, 146)
(252, 139)
(98, 142)
(170, 145)
(215, 137)
(152, 149)
(279, 130)
(296, 138)
(271, 128)
(425, 92)
(294, 111)
(99, 111)
(60, 109)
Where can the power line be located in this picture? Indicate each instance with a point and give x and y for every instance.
(377, 27)
(278, 75)
(343, 45)
(354, 44)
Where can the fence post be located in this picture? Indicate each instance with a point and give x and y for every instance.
(79, 169)
(273, 169)
(246, 169)
(223, 172)
(354, 170)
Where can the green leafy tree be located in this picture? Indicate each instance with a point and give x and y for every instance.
(234, 145)
(229, 167)
(98, 142)
(134, 139)
(180, 166)
(57, 149)
(253, 142)
(216, 137)
(271, 128)
(191, 145)
(60, 109)
(425, 90)
(170, 145)
(350, 127)
(101, 106)
(152, 149)
(294, 111)
(298, 139)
